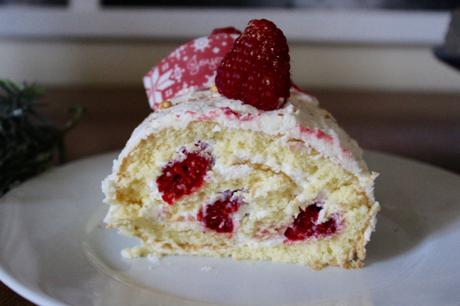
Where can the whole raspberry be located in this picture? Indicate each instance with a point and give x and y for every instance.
(256, 70)
(218, 215)
(181, 178)
(305, 225)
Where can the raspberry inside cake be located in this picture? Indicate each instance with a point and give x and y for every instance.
(214, 176)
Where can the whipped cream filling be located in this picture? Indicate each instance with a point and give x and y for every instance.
(155, 207)
(299, 119)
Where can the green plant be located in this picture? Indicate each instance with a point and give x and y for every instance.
(29, 143)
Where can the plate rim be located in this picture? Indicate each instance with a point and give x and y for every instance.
(29, 294)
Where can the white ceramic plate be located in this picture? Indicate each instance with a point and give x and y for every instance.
(55, 250)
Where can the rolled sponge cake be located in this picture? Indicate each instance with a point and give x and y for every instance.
(211, 176)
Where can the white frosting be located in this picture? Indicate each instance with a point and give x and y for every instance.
(299, 118)
(233, 171)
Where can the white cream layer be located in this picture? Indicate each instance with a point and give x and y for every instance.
(300, 118)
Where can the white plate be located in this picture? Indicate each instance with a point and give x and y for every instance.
(54, 250)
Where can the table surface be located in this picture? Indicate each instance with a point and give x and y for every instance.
(423, 126)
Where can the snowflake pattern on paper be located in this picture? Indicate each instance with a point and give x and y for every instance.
(178, 71)
(191, 66)
(200, 44)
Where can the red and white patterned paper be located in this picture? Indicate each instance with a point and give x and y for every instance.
(191, 66)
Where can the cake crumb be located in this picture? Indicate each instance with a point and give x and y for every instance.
(153, 259)
(125, 253)
(206, 268)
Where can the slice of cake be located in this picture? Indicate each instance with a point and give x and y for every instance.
(250, 169)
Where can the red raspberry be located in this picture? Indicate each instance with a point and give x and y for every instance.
(218, 215)
(256, 70)
(305, 225)
(227, 30)
(184, 177)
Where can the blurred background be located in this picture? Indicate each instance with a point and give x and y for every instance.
(364, 44)
(370, 62)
